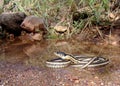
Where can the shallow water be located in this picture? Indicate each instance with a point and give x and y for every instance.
(36, 54)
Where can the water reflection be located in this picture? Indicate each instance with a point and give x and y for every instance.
(36, 53)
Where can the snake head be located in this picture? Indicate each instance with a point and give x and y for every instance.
(60, 54)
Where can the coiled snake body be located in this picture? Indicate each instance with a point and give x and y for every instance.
(81, 61)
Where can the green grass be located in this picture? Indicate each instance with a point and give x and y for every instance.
(55, 10)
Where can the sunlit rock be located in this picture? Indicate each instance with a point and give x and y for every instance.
(34, 24)
(60, 29)
(37, 36)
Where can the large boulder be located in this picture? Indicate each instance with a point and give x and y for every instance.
(10, 22)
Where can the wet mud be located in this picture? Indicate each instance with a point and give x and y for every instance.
(23, 64)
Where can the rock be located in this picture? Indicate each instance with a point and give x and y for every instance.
(10, 22)
(34, 24)
(37, 37)
(60, 29)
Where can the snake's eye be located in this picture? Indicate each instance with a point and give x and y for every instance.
(62, 53)
(57, 52)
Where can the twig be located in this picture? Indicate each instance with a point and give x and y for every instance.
(89, 62)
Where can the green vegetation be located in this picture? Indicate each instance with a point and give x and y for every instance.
(56, 11)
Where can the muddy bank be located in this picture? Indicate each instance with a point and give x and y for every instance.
(23, 64)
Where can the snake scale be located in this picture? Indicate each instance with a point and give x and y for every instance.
(81, 61)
